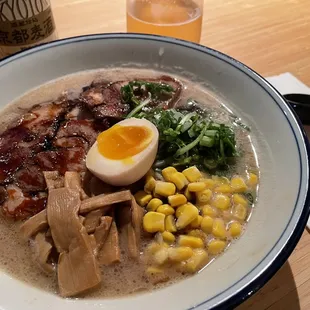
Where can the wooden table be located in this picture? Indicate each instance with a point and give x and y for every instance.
(271, 36)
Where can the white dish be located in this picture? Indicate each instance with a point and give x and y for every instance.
(283, 205)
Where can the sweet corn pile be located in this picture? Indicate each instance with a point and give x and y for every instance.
(193, 217)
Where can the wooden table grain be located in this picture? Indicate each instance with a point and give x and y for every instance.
(270, 36)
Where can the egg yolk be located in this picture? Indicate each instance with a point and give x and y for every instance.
(122, 142)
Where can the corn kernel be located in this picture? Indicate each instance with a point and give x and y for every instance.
(238, 185)
(197, 222)
(154, 222)
(188, 194)
(207, 224)
(224, 188)
(196, 187)
(153, 247)
(240, 212)
(252, 180)
(210, 183)
(221, 201)
(161, 256)
(150, 173)
(154, 271)
(142, 198)
(154, 204)
(192, 242)
(170, 223)
(168, 237)
(156, 195)
(207, 210)
(188, 215)
(177, 200)
(180, 266)
(167, 172)
(192, 174)
(197, 261)
(204, 196)
(164, 188)
(180, 254)
(220, 180)
(239, 200)
(197, 233)
(226, 215)
(165, 209)
(179, 180)
(180, 210)
(149, 184)
(159, 238)
(235, 229)
(218, 229)
(216, 246)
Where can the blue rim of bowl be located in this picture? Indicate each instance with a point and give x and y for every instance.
(253, 286)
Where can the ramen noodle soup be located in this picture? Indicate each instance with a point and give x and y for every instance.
(132, 179)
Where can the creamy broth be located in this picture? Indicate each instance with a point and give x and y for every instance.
(128, 277)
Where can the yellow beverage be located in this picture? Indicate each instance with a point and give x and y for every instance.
(174, 18)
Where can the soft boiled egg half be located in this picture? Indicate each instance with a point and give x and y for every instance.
(124, 153)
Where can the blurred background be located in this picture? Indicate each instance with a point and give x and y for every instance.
(271, 36)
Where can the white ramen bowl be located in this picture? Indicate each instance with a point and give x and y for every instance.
(283, 203)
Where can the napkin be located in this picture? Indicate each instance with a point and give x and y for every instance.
(286, 83)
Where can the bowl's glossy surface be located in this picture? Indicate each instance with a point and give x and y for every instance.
(283, 204)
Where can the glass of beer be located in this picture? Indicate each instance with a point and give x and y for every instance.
(174, 18)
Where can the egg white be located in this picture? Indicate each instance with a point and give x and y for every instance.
(124, 172)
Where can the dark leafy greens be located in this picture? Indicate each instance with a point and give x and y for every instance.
(137, 91)
(191, 139)
(185, 137)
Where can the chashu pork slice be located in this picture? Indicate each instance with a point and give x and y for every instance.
(78, 270)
